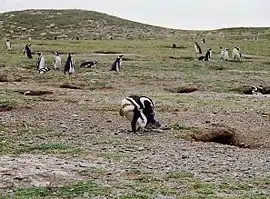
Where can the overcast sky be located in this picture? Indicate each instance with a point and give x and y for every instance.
(179, 14)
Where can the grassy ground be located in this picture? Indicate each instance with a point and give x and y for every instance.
(71, 143)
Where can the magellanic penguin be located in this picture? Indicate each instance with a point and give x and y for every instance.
(40, 61)
(236, 55)
(207, 56)
(226, 56)
(40, 65)
(8, 45)
(88, 64)
(27, 51)
(222, 52)
(139, 110)
(198, 49)
(69, 65)
(57, 62)
(117, 63)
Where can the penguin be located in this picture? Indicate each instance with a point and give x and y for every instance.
(207, 56)
(236, 55)
(222, 52)
(69, 65)
(197, 48)
(139, 110)
(226, 56)
(40, 65)
(44, 70)
(8, 45)
(40, 61)
(117, 64)
(27, 51)
(88, 64)
(57, 62)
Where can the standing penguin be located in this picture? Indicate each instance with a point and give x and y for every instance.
(117, 64)
(236, 55)
(222, 52)
(198, 49)
(8, 45)
(40, 65)
(40, 61)
(57, 62)
(27, 51)
(69, 65)
(226, 56)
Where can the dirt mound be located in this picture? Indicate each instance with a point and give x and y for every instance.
(4, 108)
(218, 134)
(7, 76)
(104, 88)
(107, 52)
(183, 89)
(127, 59)
(183, 58)
(69, 86)
(3, 78)
(175, 46)
(34, 92)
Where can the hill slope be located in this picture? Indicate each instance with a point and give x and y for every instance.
(47, 24)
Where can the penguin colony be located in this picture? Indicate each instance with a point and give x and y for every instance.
(138, 110)
(223, 55)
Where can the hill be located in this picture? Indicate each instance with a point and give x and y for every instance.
(70, 23)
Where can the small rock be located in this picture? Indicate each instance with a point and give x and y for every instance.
(141, 148)
(18, 178)
(184, 156)
(64, 126)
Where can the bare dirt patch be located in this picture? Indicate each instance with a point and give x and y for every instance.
(38, 171)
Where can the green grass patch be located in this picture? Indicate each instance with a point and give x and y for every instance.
(79, 189)
(51, 148)
(180, 127)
